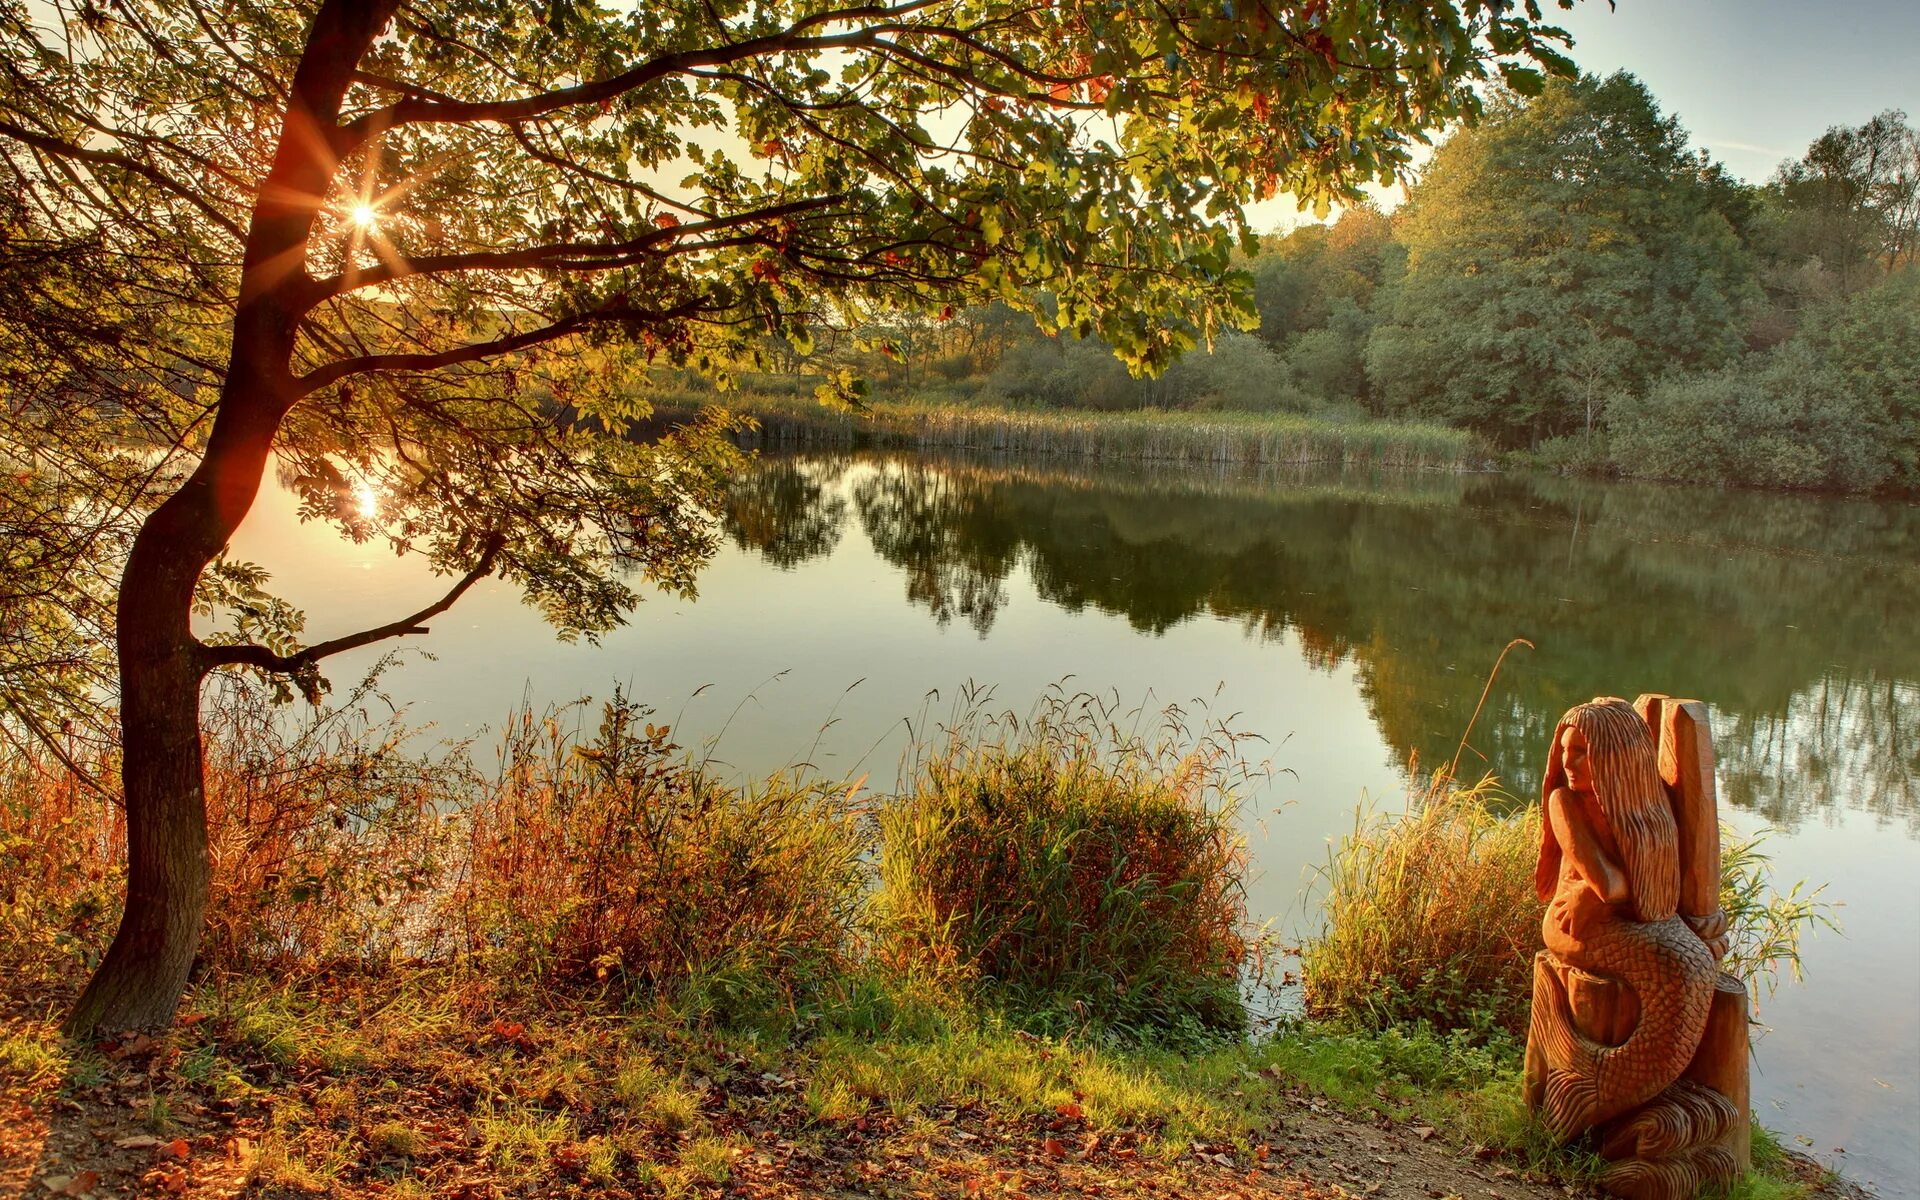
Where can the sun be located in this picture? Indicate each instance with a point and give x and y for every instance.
(363, 215)
(366, 500)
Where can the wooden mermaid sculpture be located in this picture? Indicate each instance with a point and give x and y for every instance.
(1629, 982)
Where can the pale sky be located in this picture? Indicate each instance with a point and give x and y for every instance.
(1752, 81)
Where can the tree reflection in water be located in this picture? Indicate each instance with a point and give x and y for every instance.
(1791, 615)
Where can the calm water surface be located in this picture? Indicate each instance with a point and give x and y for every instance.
(1349, 619)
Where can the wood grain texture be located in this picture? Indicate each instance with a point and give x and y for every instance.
(1636, 1038)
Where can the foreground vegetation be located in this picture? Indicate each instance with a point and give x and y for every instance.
(594, 969)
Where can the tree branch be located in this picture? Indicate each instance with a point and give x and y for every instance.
(333, 372)
(64, 149)
(416, 110)
(573, 256)
(252, 655)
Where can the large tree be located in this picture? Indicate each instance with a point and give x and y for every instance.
(1567, 249)
(404, 245)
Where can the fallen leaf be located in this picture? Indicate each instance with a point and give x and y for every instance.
(1072, 1112)
(1423, 1132)
(1054, 1147)
(82, 1183)
(139, 1141)
(177, 1148)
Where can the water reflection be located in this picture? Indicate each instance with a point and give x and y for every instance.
(1792, 615)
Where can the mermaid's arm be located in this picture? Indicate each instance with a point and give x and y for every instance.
(1577, 842)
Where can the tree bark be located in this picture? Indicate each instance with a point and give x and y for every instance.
(139, 983)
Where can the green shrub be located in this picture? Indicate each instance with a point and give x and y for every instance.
(1782, 419)
(1071, 873)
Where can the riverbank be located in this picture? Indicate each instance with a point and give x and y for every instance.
(1142, 435)
(596, 970)
(418, 1082)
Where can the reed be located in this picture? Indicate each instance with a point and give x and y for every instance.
(1151, 435)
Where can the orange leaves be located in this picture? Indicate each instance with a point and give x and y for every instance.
(513, 1033)
(766, 269)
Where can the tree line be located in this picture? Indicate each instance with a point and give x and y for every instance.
(1571, 280)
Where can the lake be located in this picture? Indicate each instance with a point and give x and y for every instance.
(1348, 618)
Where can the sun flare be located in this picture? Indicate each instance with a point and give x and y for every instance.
(363, 215)
(366, 499)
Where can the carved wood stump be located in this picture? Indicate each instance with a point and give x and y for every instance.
(1636, 1040)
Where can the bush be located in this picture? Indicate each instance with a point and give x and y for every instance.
(1071, 873)
(1063, 373)
(1780, 419)
(1430, 918)
(1240, 372)
(619, 859)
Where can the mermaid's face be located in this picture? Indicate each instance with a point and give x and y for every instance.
(1573, 759)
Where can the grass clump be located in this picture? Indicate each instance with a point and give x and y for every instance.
(1431, 917)
(616, 858)
(1071, 872)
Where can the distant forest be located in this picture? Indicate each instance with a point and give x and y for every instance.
(1569, 280)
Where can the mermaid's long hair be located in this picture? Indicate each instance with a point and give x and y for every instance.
(1623, 761)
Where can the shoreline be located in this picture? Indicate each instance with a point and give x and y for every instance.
(423, 1081)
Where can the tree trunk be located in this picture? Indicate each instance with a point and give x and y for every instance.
(139, 983)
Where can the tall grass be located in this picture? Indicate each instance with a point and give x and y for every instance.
(1072, 870)
(1431, 918)
(610, 860)
(1212, 438)
(619, 858)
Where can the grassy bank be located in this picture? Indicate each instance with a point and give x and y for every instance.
(586, 967)
(1196, 438)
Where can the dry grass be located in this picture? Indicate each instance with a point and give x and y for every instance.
(1430, 916)
(606, 859)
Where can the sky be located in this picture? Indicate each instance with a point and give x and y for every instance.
(1752, 81)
